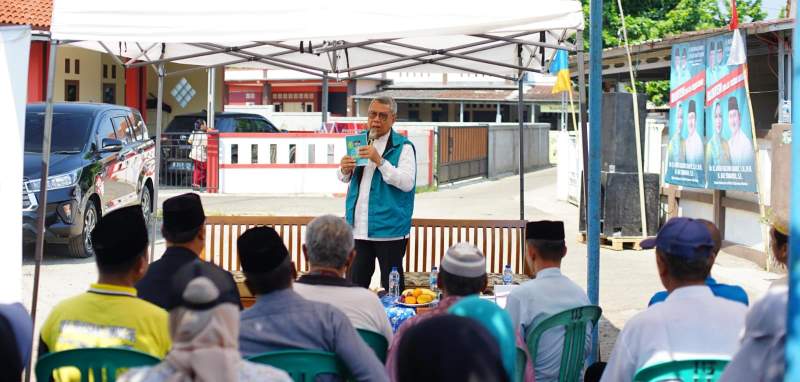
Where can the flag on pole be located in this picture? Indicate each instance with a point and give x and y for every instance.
(560, 68)
(737, 54)
(734, 17)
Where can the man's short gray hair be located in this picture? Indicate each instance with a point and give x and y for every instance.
(329, 240)
(389, 101)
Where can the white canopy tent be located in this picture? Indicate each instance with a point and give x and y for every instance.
(501, 38)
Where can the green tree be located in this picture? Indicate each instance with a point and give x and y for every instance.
(654, 19)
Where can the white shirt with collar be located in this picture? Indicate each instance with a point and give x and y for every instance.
(402, 177)
(691, 323)
(538, 299)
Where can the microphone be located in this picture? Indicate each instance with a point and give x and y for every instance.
(373, 135)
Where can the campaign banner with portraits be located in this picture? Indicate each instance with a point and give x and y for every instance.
(730, 156)
(686, 150)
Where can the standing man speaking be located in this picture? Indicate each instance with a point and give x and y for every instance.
(380, 197)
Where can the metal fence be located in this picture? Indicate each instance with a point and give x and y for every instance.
(176, 167)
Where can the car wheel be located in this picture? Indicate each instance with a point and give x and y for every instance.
(81, 245)
(146, 202)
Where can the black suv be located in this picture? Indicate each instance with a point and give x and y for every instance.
(176, 167)
(102, 159)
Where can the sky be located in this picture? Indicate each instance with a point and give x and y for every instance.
(773, 7)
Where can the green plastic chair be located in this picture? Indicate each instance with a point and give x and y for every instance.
(705, 370)
(303, 365)
(376, 341)
(573, 355)
(519, 366)
(93, 361)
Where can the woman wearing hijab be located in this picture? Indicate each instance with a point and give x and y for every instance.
(449, 348)
(205, 334)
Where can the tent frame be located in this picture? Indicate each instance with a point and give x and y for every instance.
(240, 54)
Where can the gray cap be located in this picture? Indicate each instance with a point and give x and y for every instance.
(465, 260)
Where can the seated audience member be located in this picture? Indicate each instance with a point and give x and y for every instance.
(448, 348)
(549, 293)
(16, 334)
(730, 292)
(461, 273)
(281, 319)
(204, 326)
(691, 322)
(329, 251)
(109, 314)
(184, 232)
(761, 356)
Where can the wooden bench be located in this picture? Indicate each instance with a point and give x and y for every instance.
(500, 240)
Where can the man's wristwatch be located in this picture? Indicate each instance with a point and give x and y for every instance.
(383, 160)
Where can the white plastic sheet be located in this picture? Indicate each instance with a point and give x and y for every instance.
(15, 45)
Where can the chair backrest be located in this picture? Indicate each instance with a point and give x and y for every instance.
(502, 241)
(93, 361)
(303, 365)
(376, 341)
(705, 370)
(573, 354)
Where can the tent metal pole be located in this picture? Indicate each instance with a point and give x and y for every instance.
(211, 97)
(41, 212)
(595, 127)
(156, 180)
(792, 352)
(324, 103)
(512, 40)
(265, 57)
(113, 56)
(583, 132)
(434, 62)
(446, 52)
(520, 96)
(267, 60)
(195, 55)
(142, 53)
(196, 68)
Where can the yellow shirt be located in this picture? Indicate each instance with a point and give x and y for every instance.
(107, 316)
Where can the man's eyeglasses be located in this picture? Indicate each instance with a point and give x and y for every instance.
(382, 116)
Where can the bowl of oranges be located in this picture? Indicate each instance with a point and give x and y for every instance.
(416, 297)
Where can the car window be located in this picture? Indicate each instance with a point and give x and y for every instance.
(261, 126)
(122, 127)
(139, 129)
(244, 125)
(224, 124)
(181, 124)
(69, 134)
(272, 128)
(105, 130)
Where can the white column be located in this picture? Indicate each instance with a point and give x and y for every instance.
(498, 117)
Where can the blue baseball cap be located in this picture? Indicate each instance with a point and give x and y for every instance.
(683, 237)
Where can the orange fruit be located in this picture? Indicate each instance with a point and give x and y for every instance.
(411, 300)
(417, 292)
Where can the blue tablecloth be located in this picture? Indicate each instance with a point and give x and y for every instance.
(397, 314)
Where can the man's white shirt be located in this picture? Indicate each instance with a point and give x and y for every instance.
(538, 299)
(403, 177)
(691, 323)
(694, 148)
(741, 149)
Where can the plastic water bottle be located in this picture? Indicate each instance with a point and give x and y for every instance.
(508, 275)
(394, 282)
(434, 279)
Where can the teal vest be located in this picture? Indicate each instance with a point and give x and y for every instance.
(390, 208)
